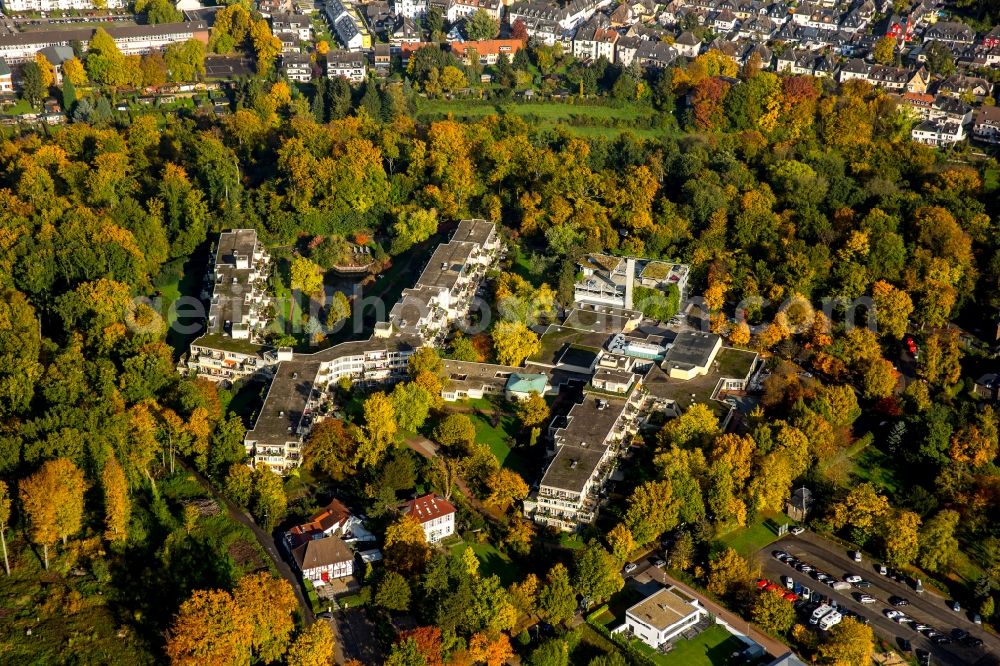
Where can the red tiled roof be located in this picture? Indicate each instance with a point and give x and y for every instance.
(429, 507)
(332, 514)
(487, 47)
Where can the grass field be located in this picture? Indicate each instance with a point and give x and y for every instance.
(712, 647)
(498, 437)
(588, 120)
(491, 561)
(748, 540)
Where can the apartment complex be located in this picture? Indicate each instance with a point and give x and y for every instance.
(130, 39)
(447, 286)
(587, 445)
(297, 396)
(239, 312)
(57, 5)
(611, 281)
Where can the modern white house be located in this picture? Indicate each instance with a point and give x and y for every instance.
(435, 514)
(662, 616)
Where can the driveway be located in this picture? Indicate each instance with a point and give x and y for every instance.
(927, 608)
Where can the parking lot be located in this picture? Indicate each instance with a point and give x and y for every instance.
(925, 608)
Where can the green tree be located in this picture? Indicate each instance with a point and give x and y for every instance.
(339, 310)
(597, 574)
(938, 545)
(158, 11)
(413, 225)
(393, 593)
(307, 277)
(885, 50)
(772, 612)
(848, 643)
(455, 431)
(556, 600)
(481, 25)
(268, 500)
(533, 411)
(185, 60)
(32, 83)
(412, 404)
(513, 342)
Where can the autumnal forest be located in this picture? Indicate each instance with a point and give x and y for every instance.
(778, 190)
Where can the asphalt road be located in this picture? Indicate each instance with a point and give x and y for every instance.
(926, 608)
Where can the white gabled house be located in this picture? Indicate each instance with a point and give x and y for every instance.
(435, 514)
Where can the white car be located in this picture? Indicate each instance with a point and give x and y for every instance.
(853, 578)
(798, 530)
(630, 567)
(867, 599)
(892, 614)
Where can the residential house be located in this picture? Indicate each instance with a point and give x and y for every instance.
(459, 9)
(987, 124)
(991, 40)
(890, 78)
(662, 616)
(487, 51)
(950, 32)
(410, 8)
(298, 24)
(941, 133)
(296, 67)
(855, 68)
(404, 31)
(724, 22)
(592, 41)
(323, 560)
(987, 387)
(687, 45)
(655, 54)
(959, 85)
(899, 28)
(435, 514)
(382, 57)
(6, 78)
(626, 48)
(351, 65)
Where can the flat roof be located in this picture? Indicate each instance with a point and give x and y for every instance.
(572, 468)
(232, 284)
(84, 34)
(557, 337)
(600, 319)
(468, 374)
(579, 356)
(691, 349)
(447, 264)
(285, 402)
(663, 609)
(474, 231)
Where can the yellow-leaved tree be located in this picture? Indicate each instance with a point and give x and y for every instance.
(52, 499)
(117, 506)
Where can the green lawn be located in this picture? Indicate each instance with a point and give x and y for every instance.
(589, 120)
(874, 466)
(491, 561)
(748, 540)
(711, 647)
(498, 437)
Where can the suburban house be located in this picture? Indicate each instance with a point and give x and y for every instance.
(593, 41)
(488, 51)
(687, 45)
(986, 126)
(435, 515)
(296, 67)
(351, 65)
(938, 133)
(323, 560)
(662, 616)
(950, 32)
(6, 78)
(298, 24)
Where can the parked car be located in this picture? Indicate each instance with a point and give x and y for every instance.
(853, 578)
(789, 583)
(892, 614)
(923, 627)
(866, 599)
(899, 601)
(972, 641)
(798, 530)
(857, 556)
(882, 570)
(976, 618)
(806, 593)
(959, 634)
(780, 555)
(659, 564)
(762, 583)
(863, 584)
(790, 596)
(955, 606)
(630, 567)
